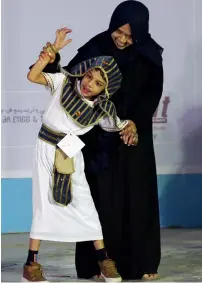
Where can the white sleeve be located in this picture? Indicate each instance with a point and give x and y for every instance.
(108, 124)
(54, 81)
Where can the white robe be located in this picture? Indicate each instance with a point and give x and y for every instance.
(78, 221)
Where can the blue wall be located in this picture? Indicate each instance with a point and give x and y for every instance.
(180, 199)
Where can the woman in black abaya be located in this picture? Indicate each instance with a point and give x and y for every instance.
(123, 178)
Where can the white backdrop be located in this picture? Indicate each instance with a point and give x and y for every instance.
(176, 25)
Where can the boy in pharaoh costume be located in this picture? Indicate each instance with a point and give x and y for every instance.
(63, 208)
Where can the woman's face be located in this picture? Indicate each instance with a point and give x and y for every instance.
(122, 37)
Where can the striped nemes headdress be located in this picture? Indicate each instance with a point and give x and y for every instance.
(77, 108)
(108, 66)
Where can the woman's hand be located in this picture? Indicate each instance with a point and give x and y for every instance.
(129, 134)
(47, 51)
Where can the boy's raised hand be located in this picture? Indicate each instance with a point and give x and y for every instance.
(59, 43)
(60, 40)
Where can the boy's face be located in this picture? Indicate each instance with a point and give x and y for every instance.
(92, 84)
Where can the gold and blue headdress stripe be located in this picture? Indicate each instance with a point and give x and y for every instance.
(83, 114)
(109, 67)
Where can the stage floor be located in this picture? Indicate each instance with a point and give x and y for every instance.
(181, 257)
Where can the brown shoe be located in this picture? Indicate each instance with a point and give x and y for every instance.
(33, 273)
(109, 271)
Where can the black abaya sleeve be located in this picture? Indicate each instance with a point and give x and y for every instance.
(88, 51)
(143, 110)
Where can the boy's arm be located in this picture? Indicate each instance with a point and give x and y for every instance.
(110, 125)
(89, 50)
(52, 50)
(35, 74)
(53, 67)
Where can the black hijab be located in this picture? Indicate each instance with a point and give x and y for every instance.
(137, 15)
